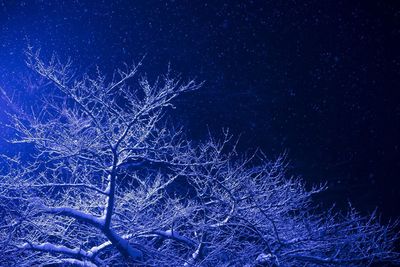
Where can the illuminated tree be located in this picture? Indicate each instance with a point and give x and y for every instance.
(109, 183)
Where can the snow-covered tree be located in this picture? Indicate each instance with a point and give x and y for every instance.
(108, 183)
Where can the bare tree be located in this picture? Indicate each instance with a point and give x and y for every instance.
(108, 183)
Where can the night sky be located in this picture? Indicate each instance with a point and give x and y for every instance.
(317, 79)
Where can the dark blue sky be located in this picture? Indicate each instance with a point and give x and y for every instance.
(319, 79)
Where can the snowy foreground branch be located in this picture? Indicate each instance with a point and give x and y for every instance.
(104, 181)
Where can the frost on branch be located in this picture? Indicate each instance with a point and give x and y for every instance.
(108, 183)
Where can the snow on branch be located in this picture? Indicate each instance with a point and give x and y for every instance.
(109, 181)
